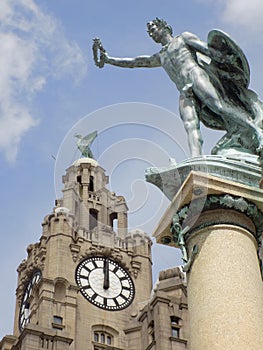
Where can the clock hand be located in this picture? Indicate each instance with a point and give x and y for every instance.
(106, 283)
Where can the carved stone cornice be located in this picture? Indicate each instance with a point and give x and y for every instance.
(103, 251)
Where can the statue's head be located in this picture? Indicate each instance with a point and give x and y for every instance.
(160, 24)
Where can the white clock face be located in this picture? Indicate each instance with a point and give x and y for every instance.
(105, 283)
(24, 313)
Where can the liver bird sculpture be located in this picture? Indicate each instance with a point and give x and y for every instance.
(84, 143)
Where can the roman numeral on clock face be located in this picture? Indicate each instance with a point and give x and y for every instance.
(123, 296)
(116, 302)
(94, 296)
(86, 287)
(95, 264)
(86, 268)
(84, 276)
(125, 288)
(115, 269)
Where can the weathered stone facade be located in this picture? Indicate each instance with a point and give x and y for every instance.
(52, 313)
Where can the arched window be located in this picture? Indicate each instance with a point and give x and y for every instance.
(102, 338)
(96, 337)
(109, 340)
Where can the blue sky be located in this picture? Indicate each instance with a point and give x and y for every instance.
(50, 88)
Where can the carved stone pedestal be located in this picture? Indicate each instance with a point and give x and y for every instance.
(218, 225)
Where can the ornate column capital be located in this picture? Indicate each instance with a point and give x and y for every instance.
(204, 200)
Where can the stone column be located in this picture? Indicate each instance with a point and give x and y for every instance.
(217, 224)
(225, 297)
(122, 224)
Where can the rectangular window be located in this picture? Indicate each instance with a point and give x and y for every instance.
(175, 332)
(58, 323)
(93, 219)
(175, 326)
(57, 320)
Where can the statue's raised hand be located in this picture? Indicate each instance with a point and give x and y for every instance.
(101, 59)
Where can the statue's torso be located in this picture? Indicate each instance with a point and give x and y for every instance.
(178, 61)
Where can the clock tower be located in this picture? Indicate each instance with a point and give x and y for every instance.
(87, 275)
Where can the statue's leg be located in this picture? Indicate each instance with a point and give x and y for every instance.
(188, 111)
(207, 93)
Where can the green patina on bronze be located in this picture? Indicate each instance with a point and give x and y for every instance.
(212, 78)
(84, 143)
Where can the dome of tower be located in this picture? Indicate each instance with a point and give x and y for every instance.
(63, 210)
(86, 160)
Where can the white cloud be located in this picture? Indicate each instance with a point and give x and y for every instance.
(14, 123)
(33, 49)
(245, 13)
(242, 13)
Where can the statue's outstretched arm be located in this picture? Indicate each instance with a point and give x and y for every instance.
(140, 61)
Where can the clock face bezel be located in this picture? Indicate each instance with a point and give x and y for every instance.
(120, 292)
(23, 319)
